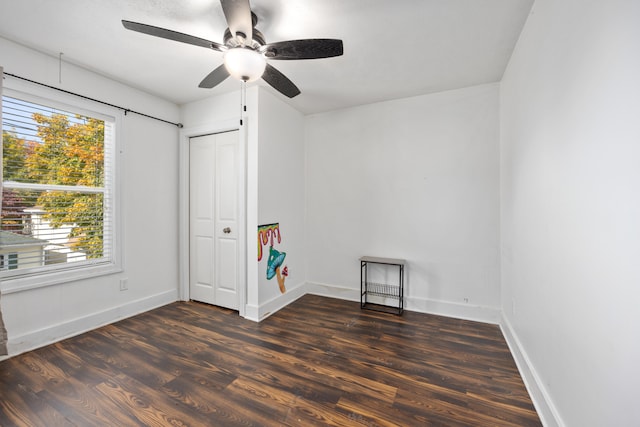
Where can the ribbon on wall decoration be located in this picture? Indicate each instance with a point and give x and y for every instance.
(268, 234)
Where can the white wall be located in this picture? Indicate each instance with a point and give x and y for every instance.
(570, 103)
(415, 178)
(149, 205)
(281, 196)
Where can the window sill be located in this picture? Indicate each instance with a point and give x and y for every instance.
(10, 286)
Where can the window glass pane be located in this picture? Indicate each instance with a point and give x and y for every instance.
(55, 194)
(13, 261)
(50, 146)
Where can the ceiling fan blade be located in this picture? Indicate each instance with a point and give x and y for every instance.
(239, 20)
(303, 49)
(280, 82)
(172, 35)
(214, 78)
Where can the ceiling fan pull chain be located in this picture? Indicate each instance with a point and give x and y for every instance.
(244, 96)
(242, 107)
(60, 67)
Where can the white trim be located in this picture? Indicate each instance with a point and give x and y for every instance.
(547, 411)
(421, 305)
(242, 221)
(476, 313)
(333, 291)
(80, 325)
(261, 312)
(44, 279)
(183, 208)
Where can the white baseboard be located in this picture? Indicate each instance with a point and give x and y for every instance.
(541, 400)
(252, 312)
(261, 312)
(421, 305)
(54, 333)
(477, 313)
(333, 291)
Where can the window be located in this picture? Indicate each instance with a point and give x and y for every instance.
(58, 182)
(8, 261)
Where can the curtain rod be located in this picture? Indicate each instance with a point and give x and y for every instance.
(126, 110)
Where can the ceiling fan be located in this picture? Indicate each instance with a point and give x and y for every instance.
(245, 49)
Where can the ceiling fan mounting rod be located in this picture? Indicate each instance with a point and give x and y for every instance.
(256, 42)
(241, 37)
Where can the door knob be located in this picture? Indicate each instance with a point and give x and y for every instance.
(226, 230)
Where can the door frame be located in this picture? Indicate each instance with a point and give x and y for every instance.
(183, 209)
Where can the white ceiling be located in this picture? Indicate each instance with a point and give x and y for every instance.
(392, 48)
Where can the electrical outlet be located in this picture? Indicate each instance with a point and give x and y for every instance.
(124, 284)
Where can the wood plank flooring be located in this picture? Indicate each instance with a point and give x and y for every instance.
(319, 361)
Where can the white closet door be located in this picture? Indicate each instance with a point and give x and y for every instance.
(213, 205)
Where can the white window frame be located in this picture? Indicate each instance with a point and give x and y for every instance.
(66, 102)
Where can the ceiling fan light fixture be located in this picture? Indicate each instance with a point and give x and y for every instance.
(244, 64)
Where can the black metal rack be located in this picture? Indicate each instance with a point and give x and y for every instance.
(382, 290)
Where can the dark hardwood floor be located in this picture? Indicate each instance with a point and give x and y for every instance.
(319, 361)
